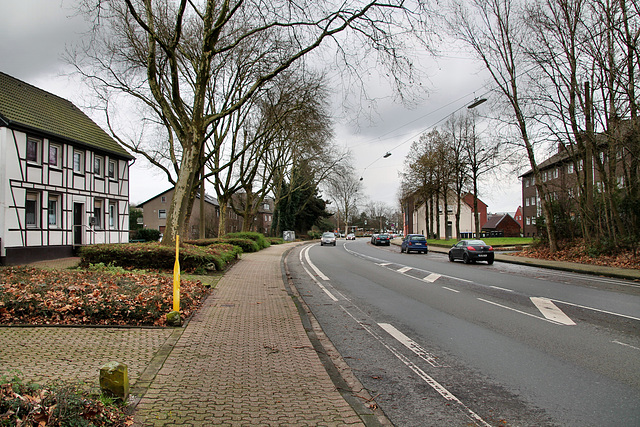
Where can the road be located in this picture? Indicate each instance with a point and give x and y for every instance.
(441, 343)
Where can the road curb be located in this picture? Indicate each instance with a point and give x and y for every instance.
(347, 384)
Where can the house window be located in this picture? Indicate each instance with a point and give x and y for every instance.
(526, 183)
(78, 160)
(31, 210)
(33, 151)
(580, 165)
(556, 173)
(113, 215)
(533, 201)
(570, 168)
(528, 220)
(265, 206)
(55, 152)
(113, 169)
(163, 199)
(97, 165)
(162, 214)
(526, 201)
(97, 213)
(53, 210)
(544, 176)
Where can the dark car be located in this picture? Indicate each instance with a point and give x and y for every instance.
(471, 251)
(415, 243)
(381, 239)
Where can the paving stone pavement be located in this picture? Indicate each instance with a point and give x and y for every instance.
(245, 359)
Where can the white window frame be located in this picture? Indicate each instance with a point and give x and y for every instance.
(55, 198)
(113, 215)
(98, 166)
(78, 162)
(58, 156)
(32, 199)
(38, 147)
(98, 213)
(113, 169)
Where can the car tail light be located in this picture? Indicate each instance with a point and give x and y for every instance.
(490, 248)
(471, 248)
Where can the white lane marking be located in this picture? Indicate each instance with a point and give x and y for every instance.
(384, 264)
(598, 310)
(403, 269)
(625, 344)
(432, 278)
(519, 311)
(318, 272)
(423, 375)
(501, 289)
(551, 311)
(410, 344)
(452, 290)
(326, 291)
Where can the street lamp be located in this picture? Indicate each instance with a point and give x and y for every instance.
(386, 155)
(477, 102)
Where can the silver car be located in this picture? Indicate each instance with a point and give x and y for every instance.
(328, 238)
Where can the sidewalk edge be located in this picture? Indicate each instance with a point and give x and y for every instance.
(339, 371)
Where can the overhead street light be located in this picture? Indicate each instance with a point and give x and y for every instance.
(477, 102)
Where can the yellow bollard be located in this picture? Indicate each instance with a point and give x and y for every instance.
(176, 278)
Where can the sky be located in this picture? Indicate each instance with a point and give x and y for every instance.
(36, 33)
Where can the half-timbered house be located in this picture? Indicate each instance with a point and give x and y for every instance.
(64, 182)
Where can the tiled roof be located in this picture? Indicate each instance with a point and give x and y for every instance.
(26, 106)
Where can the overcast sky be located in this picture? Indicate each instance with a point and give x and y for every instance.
(35, 33)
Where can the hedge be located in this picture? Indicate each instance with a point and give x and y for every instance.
(156, 257)
(257, 237)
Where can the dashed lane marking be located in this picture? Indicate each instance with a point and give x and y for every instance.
(432, 277)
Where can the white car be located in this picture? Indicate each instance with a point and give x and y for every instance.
(351, 236)
(328, 238)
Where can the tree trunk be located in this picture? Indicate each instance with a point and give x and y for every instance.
(182, 201)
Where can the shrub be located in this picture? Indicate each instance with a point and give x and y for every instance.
(148, 235)
(62, 404)
(275, 240)
(157, 257)
(312, 234)
(257, 237)
(247, 245)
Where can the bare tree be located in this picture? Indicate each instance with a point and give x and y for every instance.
(192, 63)
(494, 31)
(345, 190)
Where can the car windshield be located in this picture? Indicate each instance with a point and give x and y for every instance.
(477, 243)
(418, 239)
(328, 235)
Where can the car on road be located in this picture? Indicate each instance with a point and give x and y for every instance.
(351, 236)
(381, 239)
(471, 251)
(328, 238)
(415, 243)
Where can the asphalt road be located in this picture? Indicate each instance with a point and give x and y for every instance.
(440, 343)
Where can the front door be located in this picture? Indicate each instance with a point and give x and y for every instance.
(78, 210)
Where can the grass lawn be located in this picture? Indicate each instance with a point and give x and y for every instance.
(493, 241)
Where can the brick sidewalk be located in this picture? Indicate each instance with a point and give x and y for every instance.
(245, 359)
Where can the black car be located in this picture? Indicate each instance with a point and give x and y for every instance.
(471, 251)
(381, 239)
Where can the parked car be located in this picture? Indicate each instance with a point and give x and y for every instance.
(381, 239)
(328, 238)
(415, 243)
(471, 251)
(351, 236)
